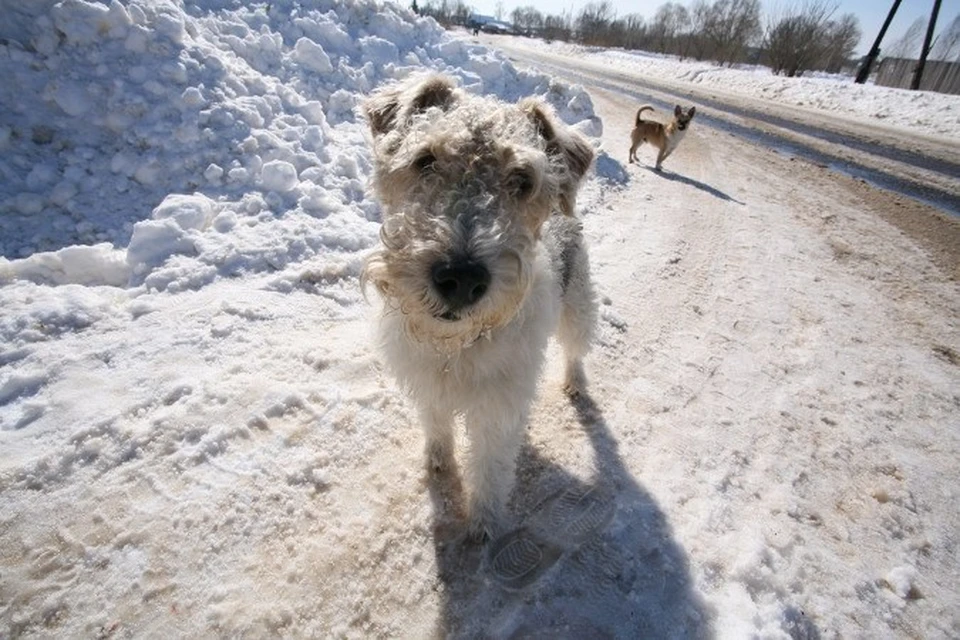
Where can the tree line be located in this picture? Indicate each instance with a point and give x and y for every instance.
(792, 40)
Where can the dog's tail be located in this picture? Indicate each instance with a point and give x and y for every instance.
(640, 111)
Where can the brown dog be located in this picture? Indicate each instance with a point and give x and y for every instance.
(665, 137)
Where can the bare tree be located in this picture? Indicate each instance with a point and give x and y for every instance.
(801, 38)
(460, 13)
(684, 40)
(498, 10)
(439, 10)
(796, 42)
(731, 26)
(557, 28)
(593, 23)
(908, 45)
(947, 46)
(658, 28)
(527, 20)
(700, 15)
(842, 37)
(670, 20)
(447, 13)
(635, 31)
(597, 25)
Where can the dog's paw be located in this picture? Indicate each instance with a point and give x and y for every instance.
(484, 523)
(481, 529)
(575, 381)
(477, 531)
(574, 388)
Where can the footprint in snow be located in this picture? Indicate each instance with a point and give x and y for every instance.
(562, 523)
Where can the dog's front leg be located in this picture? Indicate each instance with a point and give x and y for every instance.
(438, 432)
(495, 439)
(664, 152)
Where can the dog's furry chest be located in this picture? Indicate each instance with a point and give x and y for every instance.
(510, 354)
(674, 137)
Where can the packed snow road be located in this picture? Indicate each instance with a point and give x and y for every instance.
(921, 167)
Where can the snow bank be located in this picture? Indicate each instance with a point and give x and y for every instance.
(77, 264)
(115, 108)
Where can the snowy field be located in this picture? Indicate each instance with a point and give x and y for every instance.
(196, 435)
(922, 112)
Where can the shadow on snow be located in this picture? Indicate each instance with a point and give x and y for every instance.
(606, 568)
(676, 177)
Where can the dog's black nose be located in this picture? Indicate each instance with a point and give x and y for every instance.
(460, 283)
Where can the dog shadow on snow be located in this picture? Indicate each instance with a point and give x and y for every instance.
(682, 179)
(618, 574)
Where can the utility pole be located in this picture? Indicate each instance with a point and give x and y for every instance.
(918, 73)
(864, 71)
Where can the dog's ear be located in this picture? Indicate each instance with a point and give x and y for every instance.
(574, 151)
(434, 91)
(692, 111)
(390, 107)
(381, 111)
(677, 111)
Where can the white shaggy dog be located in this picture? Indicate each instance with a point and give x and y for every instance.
(481, 261)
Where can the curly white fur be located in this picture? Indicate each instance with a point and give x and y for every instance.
(465, 178)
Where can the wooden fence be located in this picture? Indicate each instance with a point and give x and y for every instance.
(940, 76)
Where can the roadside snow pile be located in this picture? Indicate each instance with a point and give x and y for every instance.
(218, 136)
(924, 112)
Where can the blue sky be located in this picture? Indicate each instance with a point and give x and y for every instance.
(870, 12)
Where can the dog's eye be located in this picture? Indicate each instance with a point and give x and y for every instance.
(520, 182)
(425, 162)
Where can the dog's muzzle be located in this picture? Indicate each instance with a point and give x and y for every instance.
(460, 284)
